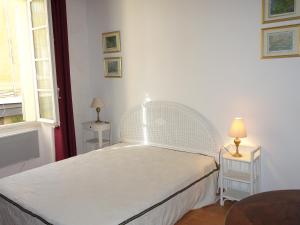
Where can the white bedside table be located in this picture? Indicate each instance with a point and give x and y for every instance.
(96, 135)
(239, 177)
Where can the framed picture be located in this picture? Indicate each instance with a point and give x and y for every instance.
(280, 10)
(111, 42)
(278, 42)
(113, 67)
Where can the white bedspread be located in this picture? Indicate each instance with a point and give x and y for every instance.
(109, 186)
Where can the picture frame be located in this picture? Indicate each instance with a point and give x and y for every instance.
(113, 67)
(280, 10)
(111, 42)
(280, 42)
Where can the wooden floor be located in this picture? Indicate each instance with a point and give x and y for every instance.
(210, 215)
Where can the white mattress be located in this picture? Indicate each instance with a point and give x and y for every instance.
(121, 184)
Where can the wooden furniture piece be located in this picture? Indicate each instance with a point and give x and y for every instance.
(239, 176)
(99, 135)
(274, 208)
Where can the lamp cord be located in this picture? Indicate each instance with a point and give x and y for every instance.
(226, 150)
(218, 176)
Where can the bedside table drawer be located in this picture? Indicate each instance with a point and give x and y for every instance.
(96, 126)
(100, 126)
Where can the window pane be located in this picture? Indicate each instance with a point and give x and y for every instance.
(10, 65)
(40, 43)
(38, 13)
(6, 82)
(46, 105)
(44, 80)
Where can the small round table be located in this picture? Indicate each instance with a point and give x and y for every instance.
(268, 208)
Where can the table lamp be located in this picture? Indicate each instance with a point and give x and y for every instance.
(97, 103)
(237, 131)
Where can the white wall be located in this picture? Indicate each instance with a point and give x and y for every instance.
(79, 65)
(205, 54)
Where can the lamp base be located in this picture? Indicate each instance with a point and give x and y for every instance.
(98, 117)
(237, 155)
(237, 143)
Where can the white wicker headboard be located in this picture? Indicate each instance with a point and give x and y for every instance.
(170, 125)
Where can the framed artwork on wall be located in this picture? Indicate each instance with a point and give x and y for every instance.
(113, 67)
(111, 42)
(279, 42)
(280, 10)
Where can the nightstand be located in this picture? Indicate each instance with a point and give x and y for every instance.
(96, 135)
(240, 177)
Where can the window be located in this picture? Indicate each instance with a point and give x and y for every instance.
(27, 84)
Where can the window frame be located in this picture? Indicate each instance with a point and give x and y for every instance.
(50, 59)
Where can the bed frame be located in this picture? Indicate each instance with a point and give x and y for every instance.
(170, 125)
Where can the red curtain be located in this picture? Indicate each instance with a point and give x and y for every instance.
(65, 142)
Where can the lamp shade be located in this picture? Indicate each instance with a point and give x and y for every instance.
(238, 128)
(97, 103)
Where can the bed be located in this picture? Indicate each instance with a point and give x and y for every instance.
(165, 165)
